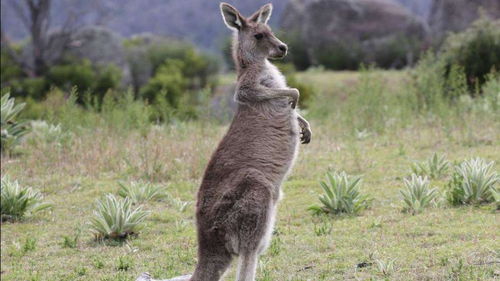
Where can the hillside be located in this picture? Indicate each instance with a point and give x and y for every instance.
(195, 20)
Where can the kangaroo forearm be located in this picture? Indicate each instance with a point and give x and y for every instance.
(260, 94)
(302, 122)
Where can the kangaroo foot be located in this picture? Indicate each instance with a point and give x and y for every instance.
(147, 277)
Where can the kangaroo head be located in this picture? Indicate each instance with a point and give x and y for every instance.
(254, 39)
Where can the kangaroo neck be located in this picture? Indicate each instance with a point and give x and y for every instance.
(254, 67)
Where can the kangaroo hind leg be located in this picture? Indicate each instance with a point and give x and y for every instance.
(254, 219)
(247, 266)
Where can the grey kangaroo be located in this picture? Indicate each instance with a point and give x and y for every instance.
(237, 198)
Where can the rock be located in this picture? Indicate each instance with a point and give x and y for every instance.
(457, 15)
(370, 30)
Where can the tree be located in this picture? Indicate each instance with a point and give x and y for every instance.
(35, 16)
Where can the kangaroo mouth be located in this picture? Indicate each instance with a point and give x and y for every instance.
(279, 55)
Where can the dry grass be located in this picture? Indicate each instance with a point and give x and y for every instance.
(439, 244)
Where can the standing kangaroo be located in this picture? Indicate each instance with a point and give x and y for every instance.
(237, 198)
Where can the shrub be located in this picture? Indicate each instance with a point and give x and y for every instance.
(417, 194)
(116, 218)
(434, 167)
(139, 192)
(29, 87)
(10, 69)
(476, 50)
(340, 56)
(473, 182)
(67, 76)
(428, 81)
(437, 85)
(341, 195)
(43, 132)
(298, 54)
(148, 55)
(11, 129)
(88, 79)
(169, 83)
(19, 201)
(491, 92)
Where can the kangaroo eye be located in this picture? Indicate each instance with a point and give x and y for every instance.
(259, 36)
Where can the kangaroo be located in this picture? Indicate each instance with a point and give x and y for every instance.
(238, 196)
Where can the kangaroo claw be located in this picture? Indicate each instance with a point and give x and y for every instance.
(305, 137)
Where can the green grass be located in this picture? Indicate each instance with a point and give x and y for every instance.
(382, 243)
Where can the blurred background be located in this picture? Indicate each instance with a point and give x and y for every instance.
(130, 97)
(170, 52)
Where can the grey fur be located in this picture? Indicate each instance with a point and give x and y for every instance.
(239, 193)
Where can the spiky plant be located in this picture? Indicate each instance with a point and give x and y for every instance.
(11, 130)
(417, 194)
(41, 131)
(473, 182)
(386, 267)
(139, 192)
(341, 195)
(18, 201)
(116, 218)
(434, 167)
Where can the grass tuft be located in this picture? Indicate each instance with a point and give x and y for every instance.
(116, 218)
(19, 201)
(417, 195)
(473, 182)
(139, 192)
(341, 195)
(11, 131)
(434, 167)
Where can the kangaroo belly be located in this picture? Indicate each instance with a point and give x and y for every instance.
(263, 139)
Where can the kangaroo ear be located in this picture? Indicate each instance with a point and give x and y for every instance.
(231, 16)
(263, 14)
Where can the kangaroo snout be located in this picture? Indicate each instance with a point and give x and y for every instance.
(279, 51)
(283, 48)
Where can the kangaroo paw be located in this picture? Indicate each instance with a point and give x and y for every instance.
(306, 134)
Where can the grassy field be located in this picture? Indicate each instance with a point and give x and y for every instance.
(382, 243)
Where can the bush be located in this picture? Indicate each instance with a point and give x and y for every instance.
(491, 92)
(91, 80)
(417, 194)
(473, 182)
(341, 195)
(10, 70)
(18, 201)
(169, 83)
(66, 76)
(434, 167)
(476, 50)
(297, 50)
(139, 192)
(116, 218)
(34, 88)
(11, 129)
(340, 56)
(43, 132)
(148, 55)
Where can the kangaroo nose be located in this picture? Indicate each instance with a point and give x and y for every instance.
(283, 48)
